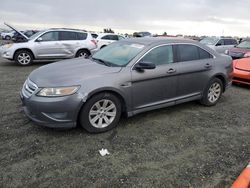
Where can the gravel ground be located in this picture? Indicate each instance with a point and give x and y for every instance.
(188, 145)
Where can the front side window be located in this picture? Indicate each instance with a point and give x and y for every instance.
(187, 52)
(160, 56)
(81, 36)
(50, 36)
(220, 43)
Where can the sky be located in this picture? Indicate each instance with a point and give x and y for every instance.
(188, 17)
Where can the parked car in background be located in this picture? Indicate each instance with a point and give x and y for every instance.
(241, 71)
(239, 51)
(50, 44)
(130, 76)
(7, 35)
(219, 44)
(104, 39)
(142, 34)
(19, 38)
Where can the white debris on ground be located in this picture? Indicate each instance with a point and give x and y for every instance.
(104, 152)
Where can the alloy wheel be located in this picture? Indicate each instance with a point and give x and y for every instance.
(102, 113)
(24, 58)
(214, 92)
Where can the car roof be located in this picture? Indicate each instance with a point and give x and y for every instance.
(159, 40)
(66, 29)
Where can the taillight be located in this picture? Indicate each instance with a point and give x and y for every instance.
(94, 41)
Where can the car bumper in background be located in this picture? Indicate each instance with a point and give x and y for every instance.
(242, 77)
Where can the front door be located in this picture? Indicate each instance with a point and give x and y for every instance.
(156, 86)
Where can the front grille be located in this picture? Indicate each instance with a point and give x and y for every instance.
(29, 88)
(241, 79)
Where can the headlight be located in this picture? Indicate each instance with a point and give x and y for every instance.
(7, 45)
(58, 92)
(227, 52)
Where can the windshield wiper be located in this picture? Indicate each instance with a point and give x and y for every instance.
(103, 62)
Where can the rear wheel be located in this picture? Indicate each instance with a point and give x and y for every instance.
(212, 93)
(100, 113)
(23, 57)
(83, 53)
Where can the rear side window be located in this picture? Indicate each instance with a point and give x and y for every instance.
(160, 55)
(67, 35)
(81, 36)
(204, 54)
(186, 52)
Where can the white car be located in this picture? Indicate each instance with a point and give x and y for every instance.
(219, 44)
(7, 35)
(104, 39)
(50, 44)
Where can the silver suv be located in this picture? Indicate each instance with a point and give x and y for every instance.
(50, 44)
(219, 44)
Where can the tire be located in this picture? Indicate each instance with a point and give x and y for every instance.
(212, 93)
(103, 46)
(83, 53)
(23, 57)
(7, 37)
(100, 113)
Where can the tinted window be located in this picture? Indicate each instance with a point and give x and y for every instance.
(67, 35)
(94, 35)
(160, 55)
(229, 42)
(220, 43)
(50, 36)
(187, 52)
(204, 54)
(234, 42)
(82, 36)
(110, 37)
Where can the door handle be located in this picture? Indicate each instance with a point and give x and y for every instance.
(171, 70)
(207, 66)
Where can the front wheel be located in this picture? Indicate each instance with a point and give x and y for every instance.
(100, 113)
(23, 57)
(212, 93)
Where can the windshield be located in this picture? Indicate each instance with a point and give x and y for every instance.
(209, 40)
(118, 53)
(244, 44)
(35, 35)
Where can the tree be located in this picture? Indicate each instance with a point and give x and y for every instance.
(108, 30)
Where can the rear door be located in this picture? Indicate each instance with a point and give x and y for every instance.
(156, 86)
(195, 66)
(70, 42)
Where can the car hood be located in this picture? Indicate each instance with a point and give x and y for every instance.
(242, 50)
(69, 72)
(243, 64)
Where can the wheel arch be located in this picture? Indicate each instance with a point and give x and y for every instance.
(223, 80)
(20, 49)
(113, 91)
(81, 50)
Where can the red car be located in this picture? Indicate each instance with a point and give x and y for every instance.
(241, 71)
(240, 51)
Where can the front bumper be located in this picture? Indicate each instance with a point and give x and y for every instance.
(242, 77)
(53, 112)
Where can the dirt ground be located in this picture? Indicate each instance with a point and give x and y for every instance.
(188, 145)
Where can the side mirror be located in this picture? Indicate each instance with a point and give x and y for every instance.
(144, 65)
(40, 39)
(219, 44)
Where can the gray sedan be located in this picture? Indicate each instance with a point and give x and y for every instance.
(130, 77)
